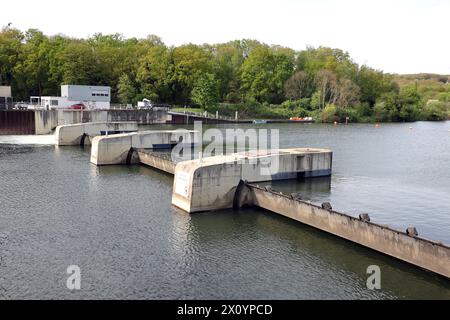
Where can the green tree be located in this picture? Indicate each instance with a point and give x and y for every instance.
(189, 63)
(206, 91)
(10, 55)
(264, 74)
(126, 90)
(155, 74)
(32, 70)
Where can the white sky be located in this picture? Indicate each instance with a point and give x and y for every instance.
(398, 36)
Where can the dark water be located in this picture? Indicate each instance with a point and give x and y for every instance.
(118, 225)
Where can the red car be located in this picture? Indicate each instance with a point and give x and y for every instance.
(78, 106)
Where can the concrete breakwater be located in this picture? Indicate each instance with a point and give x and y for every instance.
(210, 183)
(83, 133)
(219, 182)
(39, 122)
(406, 246)
(122, 148)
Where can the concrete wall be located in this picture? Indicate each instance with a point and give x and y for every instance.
(155, 161)
(210, 184)
(72, 134)
(139, 116)
(109, 150)
(45, 121)
(153, 116)
(420, 252)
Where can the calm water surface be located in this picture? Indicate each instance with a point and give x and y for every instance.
(118, 225)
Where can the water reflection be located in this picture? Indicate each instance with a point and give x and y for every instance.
(308, 189)
(118, 223)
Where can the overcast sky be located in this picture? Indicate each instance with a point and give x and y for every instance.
(397, 36)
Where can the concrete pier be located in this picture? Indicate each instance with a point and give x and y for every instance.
(221, 182)
(157, 160)
(210, 183)
(82, 133)
(408, 247)
(123, 148)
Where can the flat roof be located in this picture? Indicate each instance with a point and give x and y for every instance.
(247, 155)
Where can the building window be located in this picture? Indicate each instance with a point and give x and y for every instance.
(53, 102)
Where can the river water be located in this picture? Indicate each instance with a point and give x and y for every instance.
(117, 223)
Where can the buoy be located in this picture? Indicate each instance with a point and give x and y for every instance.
(377, 125)
(335, 123)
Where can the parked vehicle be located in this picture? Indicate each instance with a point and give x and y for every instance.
(77, 106)
(145, 104)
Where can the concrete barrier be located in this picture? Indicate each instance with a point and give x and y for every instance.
(45, 121)
(144, 117)
(76, 134)
(421, 252)
(210, 183)
(24, 122)
(115, 149)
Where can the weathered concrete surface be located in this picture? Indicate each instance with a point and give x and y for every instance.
(73, 134)
(114, 149)
(151, 116)
(210, 183)
(45, 121)
(155, 160)
(27, 121)
(423, 253)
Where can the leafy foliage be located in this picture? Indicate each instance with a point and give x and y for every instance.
(245, 75)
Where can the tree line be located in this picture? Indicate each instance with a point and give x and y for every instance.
(242, 75)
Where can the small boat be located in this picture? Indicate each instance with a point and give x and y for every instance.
(259, 121)
(306, 120)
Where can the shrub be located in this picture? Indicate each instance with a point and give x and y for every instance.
(328, 114)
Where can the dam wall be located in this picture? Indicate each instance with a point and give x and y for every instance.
(221, 182)
(210, 183)
(76, 134)
(405, 246)
(25, 122)
(121, 148)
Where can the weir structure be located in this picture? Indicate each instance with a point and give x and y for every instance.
(83, 133)
(130, 148)
(221, 182)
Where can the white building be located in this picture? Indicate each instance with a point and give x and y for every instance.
(92, 97)
(5, 96)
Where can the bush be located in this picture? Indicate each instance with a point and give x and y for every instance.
(380, 112)
(353, 115)
(328, 114)
(435, 111)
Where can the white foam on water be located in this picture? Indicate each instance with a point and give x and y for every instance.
(28, 139)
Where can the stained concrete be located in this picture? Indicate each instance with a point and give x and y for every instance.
(429, 255)
(75, 134)
(210, 183)
(115, 149)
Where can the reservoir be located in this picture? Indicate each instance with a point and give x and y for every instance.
(118, 225)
